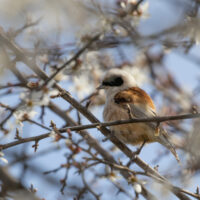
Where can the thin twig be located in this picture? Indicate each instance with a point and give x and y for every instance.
(97, 196)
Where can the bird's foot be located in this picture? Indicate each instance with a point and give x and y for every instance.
(135, 153)
(108, 137)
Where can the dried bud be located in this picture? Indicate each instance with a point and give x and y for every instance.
(32, 84)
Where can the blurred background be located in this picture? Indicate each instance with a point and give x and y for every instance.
(155, 41)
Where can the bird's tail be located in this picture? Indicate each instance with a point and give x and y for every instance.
(163, 139)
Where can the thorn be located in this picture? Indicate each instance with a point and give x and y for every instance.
(35, 146)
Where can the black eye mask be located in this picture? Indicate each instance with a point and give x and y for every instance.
(118, 81)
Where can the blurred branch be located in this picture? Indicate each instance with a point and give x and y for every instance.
(12, 185)
(28, 24)
(91, 41)
(9, 85)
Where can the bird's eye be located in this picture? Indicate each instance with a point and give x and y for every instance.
(118, 81)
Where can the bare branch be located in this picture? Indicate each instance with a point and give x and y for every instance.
(96, 125)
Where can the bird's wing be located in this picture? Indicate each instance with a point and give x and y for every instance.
(137, 102)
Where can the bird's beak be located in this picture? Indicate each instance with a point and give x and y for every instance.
(100, 87)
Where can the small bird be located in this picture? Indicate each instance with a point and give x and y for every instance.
(125, 100)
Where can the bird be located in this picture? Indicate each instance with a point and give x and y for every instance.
(125, 100)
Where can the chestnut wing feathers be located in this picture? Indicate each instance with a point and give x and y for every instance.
(137, 102)
(134, 95)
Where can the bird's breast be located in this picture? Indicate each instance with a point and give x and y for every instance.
(134, 133)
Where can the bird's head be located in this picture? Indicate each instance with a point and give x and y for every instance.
(116, 80)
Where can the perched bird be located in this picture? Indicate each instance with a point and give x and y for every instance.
(125, 100)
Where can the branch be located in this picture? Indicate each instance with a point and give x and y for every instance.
(119, 122)
(24, 140)
(9, 85)
(98, 126)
